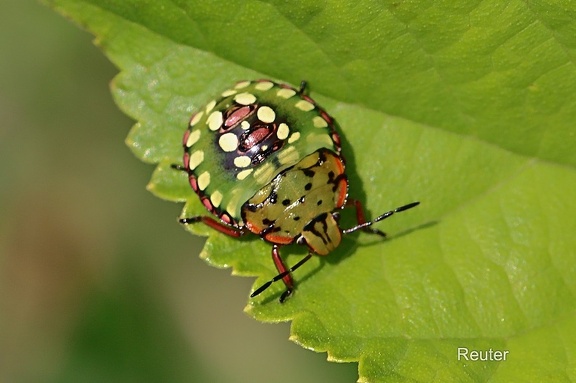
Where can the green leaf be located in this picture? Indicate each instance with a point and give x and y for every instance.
(468, 107)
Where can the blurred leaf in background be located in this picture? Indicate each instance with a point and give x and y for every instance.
(98, 282)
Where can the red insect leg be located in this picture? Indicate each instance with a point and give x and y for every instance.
(281, 267)
(284, 274)
(228, 230)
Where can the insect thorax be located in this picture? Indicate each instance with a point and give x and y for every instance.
(300, 201)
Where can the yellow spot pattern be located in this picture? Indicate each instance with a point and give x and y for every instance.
(245, 98)
(243, 174)
(319, 122)
(216, 198)
(210, 106)
(242, 84)
(304, 105)
(266, 114)
(215, 120)
(193, 138)
(196, 159)
(196, 118)
(286, 93)
(204, 180)
(228, 93)
(294, 137)
(228, 142)
(264, 86)
(283, 131)
(242, 161)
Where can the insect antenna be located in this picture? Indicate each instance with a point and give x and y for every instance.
(279, 277)
(381, 217)
(178, 167)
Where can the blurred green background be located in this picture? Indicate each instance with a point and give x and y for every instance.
(97, 280)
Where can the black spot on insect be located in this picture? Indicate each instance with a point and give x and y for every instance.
(252, 207)
(319, 202)
(286, 202)
(308, 173)
(267, 222)
(330, 175)
(301, 199)
(308, 186)
(296, 218)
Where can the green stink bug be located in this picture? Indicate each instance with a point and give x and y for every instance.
(264, 158)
